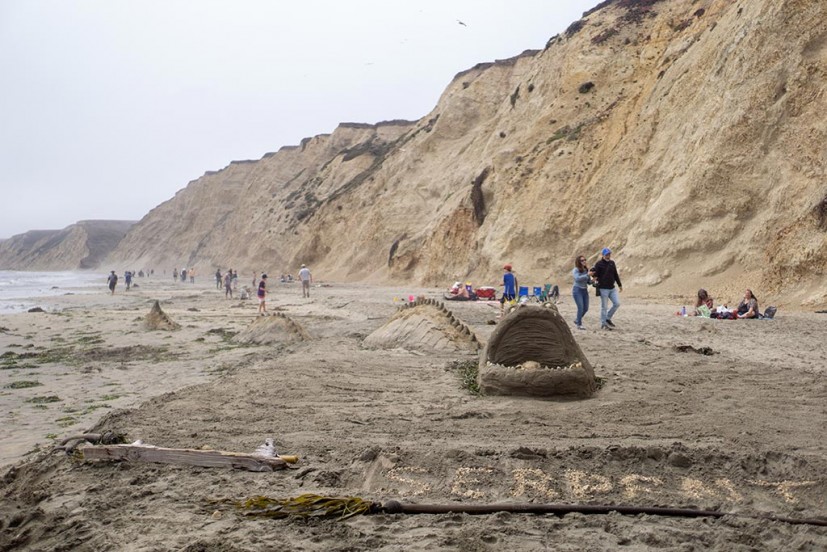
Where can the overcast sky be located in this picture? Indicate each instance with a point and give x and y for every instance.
(109, 107)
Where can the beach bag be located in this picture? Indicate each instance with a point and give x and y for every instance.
(770, 312)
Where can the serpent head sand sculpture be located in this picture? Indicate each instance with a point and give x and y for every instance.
(532, 352)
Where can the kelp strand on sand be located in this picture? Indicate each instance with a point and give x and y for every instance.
(343, 507)
(306, 505)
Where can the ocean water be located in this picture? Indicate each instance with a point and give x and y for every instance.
(19, 291)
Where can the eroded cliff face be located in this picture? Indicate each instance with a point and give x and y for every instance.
(82, 245)
(251, 215)
(687, 136)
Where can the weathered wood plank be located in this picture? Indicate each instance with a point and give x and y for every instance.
(187, 457)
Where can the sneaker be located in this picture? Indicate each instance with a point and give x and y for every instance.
(610, 324)
(581, 327)
(605, 327)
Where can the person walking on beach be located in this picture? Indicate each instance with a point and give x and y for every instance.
(262, 295)
(228, 284)
(605, 272)
(218, 280)
(306, 278)
(255, 279)
(175, 274)
(509, 287)
(112, 281)
(127, 277)
(580, 289)
(192, 275)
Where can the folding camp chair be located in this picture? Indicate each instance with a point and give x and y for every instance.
(550, 293)
(522, 294)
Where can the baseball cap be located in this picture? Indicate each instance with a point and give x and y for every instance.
(606, 251)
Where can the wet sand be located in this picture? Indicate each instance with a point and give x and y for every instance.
(741, 430)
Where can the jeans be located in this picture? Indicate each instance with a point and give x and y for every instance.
(581, 299)
(605, 296)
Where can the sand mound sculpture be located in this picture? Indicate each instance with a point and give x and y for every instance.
(273, 329)
(532, 352)
(424, 325)
(157, 319)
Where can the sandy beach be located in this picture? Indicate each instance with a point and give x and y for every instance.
(743, 429)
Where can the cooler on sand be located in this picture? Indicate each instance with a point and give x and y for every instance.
(486, 293)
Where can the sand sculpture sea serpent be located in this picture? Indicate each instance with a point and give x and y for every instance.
(532, 352)
(273, 329)
(424, 325)
(157, 319)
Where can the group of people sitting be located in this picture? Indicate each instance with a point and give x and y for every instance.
(747, 308)
(466, 292)
(511, 291)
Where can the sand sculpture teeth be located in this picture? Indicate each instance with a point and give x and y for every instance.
(265, 330)
(536, 337)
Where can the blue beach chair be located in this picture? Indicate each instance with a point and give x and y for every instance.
(522, 294)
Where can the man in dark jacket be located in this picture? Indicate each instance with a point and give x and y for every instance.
(605, 272)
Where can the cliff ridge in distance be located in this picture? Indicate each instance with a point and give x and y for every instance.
(686, 136)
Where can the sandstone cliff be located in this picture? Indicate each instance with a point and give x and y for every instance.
(79, 246)
(688, 136)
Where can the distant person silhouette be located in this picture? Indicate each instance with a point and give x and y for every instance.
(307, 279)
(262, 295)
(113, 281)
(228, 284)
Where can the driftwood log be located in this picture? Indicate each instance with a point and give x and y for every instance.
(188, 457)
(532, 352)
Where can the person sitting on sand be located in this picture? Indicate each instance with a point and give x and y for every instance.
(748, 307)
(462, 292)
(703, 304)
